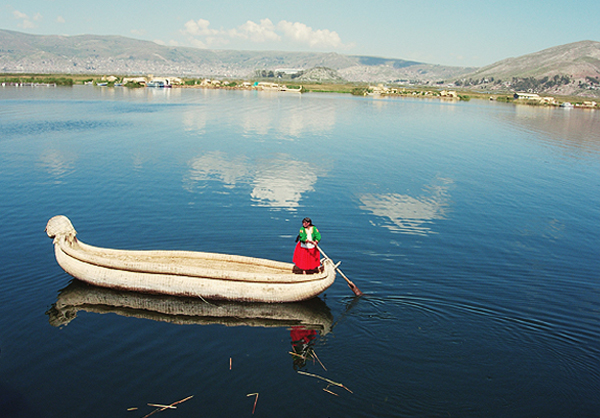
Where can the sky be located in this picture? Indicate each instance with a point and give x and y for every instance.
(464, 33)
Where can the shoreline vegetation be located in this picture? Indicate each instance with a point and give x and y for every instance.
(450, 93)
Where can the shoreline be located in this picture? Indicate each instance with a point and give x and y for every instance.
(355, 88)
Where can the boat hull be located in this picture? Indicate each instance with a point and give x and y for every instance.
(185, 273)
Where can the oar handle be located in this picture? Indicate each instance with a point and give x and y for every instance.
(352, 286)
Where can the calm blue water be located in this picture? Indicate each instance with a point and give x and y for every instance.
(473, 228)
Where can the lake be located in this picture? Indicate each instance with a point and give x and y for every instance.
(472, 228)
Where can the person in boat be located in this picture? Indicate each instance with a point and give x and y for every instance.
(306, 255)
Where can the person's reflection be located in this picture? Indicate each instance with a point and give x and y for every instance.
(303, 340)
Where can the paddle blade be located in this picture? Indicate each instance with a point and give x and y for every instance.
(355, 289)
(351, 285)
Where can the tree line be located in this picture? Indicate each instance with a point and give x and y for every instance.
(276, 74)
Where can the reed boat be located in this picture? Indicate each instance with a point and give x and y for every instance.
(185, 273)
(78, 296)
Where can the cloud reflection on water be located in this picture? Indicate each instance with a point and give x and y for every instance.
(281, 182)
(410, 215)
(57, 163)
(278, 182)
(216, 166)
(292, 119)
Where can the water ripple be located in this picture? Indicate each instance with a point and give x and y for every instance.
(44, 127)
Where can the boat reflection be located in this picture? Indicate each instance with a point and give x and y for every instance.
(78, 296)
(303, 342)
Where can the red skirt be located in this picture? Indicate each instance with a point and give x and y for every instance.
(307, 259)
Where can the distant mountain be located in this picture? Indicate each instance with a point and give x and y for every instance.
(572, 69)
(90, 54)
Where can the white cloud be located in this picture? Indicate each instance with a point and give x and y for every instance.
(199, 27)
(26, 22)
(201, 35)
(263, 32)
(299, 32)
(19, 15)
(60, 19)
(196, 29)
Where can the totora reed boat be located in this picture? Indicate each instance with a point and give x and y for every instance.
(185, 273)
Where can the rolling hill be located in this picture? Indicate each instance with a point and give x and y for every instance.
(21, 52)
(572, 69)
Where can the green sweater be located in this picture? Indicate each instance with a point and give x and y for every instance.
(304, 236)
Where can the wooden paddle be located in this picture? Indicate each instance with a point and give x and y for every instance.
(352, 286)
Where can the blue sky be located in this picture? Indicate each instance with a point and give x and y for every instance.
(459, 32)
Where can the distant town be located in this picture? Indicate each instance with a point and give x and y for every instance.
(296, 86)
